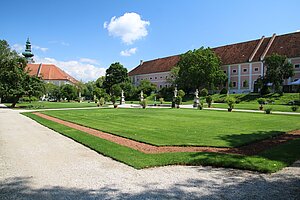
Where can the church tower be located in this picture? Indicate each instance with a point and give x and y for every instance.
(27, 53)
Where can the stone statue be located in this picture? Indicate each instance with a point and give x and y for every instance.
(142, 96)
(196, 93)
(196, 99)
(122, 101)
(175, 92)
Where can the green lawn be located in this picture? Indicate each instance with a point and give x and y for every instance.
(183, 126)
(48, 105)
(255, 106)
(271, 160)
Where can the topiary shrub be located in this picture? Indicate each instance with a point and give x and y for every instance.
(204, 92)
(230, 102)
(143, 103)
(209, 100)
(295, 108)
(178, 101)
(261, 102)
(268, 110)
(223, 91)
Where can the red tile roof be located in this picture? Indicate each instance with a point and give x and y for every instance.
(49, 72)
(288, 44)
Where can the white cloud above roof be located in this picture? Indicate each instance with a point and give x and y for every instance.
(129, 27)
(79, 69)
(128, 52)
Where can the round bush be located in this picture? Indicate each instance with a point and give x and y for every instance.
(223, 91)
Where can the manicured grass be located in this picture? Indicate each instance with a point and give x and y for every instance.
(268, 161)
(255, 106)
(47, 105)
(184, 127)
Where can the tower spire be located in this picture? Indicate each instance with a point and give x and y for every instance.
(27, 53)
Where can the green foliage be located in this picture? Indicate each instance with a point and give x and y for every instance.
(230, 102)
(278, 69)
(116, 90)
(14, 79)
(147, 87)
(115, 74)
(130, 91)
(204, 92)
(181, 93)
(88, 90)
(113, 99)
(268, 110)
(261, 101)
(161, 100)
(209, 100)
(294, 108)
(101, 101)
(101, 93)
(166, 93)
(178, 100)
(265, 90)
(200, 68)
(69, 92)
(223, 91)
(143, 103)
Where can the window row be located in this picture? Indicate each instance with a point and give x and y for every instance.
(151, 78)
(234, 71)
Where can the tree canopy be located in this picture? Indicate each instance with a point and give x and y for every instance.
(278, 69)
(14, 78)
(115, 74)
(200, 68)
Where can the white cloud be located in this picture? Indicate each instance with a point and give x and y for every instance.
(76, 68)
(129, 27)
(128, 52)
(88, 60)
(43, 49)
(298, 30)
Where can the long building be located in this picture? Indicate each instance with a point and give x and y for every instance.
(243, 62)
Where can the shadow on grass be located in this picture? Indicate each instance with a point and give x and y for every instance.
(231, 185)
(238, 140)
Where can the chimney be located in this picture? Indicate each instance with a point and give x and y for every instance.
(141, 62)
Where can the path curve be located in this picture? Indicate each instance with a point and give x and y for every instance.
(250, 149)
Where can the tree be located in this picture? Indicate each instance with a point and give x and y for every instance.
(278, 69)
(173, 78)
(34, 87)
(14, 78)
(69, 92)
(115, 74)
(88, 91)
(130, 90)
(147, 87)
(200, 68)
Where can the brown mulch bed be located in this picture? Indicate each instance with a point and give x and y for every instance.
(250, 149)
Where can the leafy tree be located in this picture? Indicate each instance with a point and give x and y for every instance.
(200, 68)
(174, 76)
(88, 91)
(147, 87)
(115, 74)
(278, 69)
(14, 78)
(130, 90)
(69, 92)
(116, 90)
(99, 82)
(204, 92)
(101, 93)
(35, 87)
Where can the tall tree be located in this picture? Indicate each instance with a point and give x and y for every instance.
(115, 74)
(147, 87)
(278, 69)
(14, 78)
(69, 92)
(200, 68)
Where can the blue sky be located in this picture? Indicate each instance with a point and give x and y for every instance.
(85, 37)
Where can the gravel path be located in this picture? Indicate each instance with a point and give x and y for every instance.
(37, 163)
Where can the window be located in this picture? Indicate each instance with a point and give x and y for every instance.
(161, 77)
(224, 71)
(245, 70)
(234, 71)
(141, 79)
(172, 76)
(155, 77)
(137, 79)
(297, 66)
(256, 69)
(150, 78)
(245, 83)
(233, 84)
(166, 76)
(160, 86)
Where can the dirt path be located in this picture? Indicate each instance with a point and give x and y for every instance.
(250, 149)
